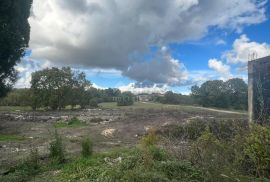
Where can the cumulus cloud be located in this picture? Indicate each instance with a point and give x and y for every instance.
(26, 68)
(219, 67)
(162, 70)
(139, 88)
(244, 48)
(105, 34)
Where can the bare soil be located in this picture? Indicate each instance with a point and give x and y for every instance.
(107, 128)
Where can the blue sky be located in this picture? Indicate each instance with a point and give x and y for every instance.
(144, 48)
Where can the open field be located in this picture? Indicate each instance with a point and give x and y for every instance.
(108, 126)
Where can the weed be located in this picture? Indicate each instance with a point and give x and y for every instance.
(150, 139)
(87, 147)
(57, 149)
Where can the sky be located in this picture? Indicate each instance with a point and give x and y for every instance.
(147, 46)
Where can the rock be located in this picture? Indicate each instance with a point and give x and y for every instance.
(108, 132)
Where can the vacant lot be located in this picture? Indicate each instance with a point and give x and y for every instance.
(108, 126)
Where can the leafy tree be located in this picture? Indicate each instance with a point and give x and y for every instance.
(17, 97)
(57, 88)
(126, 99)
(14, 38)
(216, 93)
(237, 91)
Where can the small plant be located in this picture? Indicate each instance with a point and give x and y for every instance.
(87, 147)
(57, 149)
(32, 162)
(150, 139)
(72, 123)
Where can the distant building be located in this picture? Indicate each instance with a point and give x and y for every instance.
(147, 97)
(259, 89)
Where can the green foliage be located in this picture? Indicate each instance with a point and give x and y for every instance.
(257, 149)
(216, 93)
(72, 123)
(192, 130)
(93, 103)
(14, 38)
(174, 98)
(24, 171)
(128, 165)
(87, 147)
(56, 88)
(9, 137)
(17, 97)
(242, 154)
(150, 139)
(57, 149)
(126, 99)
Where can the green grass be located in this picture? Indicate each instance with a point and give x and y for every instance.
(157, 106)
(124, 165)
(15, 108)
(9, 137)
(72, 123)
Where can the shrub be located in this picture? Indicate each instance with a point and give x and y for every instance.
(24, 171)
(57, 149)
(93, 103)
(74, 121)
(227, 129)
(210, 155)
(125, 101)
(87, 147)
(157, 153)
(150, 139)
(180, 171)
(257, 149)
(194, 129)
(32, 163)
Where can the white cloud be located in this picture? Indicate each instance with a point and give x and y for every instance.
(135, 89)
(104, 33)
(243, 48)
(25, 68)
(221, 42)
(220, 67)
(98, 87)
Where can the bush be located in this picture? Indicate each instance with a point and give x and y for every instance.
(57, 149)
(150, 139)
(257, 149)
(32, 163)
(227, 129)
(93, 103)
(87, 147)
(24, 171)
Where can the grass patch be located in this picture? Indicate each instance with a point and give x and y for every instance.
(158, 106)
(72, 123)
(10, 137)
(15, 108)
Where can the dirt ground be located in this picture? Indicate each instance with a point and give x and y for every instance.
(110, 128)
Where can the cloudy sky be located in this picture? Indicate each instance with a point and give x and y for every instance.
(147, 46)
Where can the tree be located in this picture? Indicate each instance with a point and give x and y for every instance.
(237, 91)
(125, 99)
(216, 93)
(14, 38)
(57, 88)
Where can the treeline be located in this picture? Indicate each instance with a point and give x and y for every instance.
(217, 93)
(58, 88)
(175, 98)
